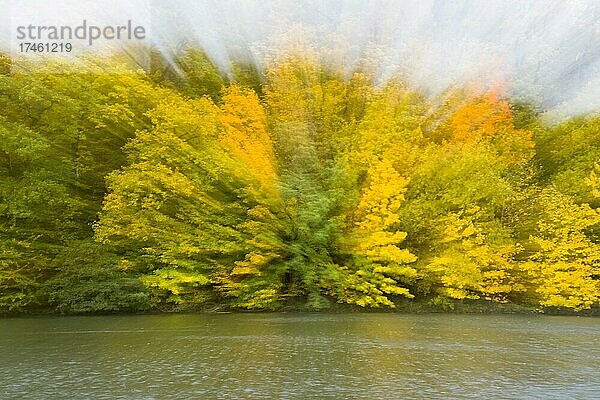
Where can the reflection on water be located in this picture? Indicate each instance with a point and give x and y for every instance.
(285, 356)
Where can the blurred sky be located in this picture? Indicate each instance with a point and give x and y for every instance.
(546, 50)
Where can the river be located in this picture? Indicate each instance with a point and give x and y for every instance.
(300, 356)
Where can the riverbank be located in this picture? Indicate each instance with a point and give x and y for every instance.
(407, 307)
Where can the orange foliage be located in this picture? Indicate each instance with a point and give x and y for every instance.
(483, 116)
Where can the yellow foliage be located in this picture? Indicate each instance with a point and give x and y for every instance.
(471, 265)
(376, 241)
(246, 137)
(291, 82)
(176, 282)
(567, 261)
(381, 199)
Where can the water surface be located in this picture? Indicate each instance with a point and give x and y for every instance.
(300, 356)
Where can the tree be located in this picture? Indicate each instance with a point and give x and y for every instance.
(88, 280)
(378, 265)
(565, 264)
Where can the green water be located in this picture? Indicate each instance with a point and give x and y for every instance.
(300, 356)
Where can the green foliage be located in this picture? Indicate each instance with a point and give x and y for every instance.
(246, 74)
(568, 153)
(87, 280)
(5, 64)
(189, 71)
(60, 136)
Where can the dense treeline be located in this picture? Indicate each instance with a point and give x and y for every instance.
(184, 188)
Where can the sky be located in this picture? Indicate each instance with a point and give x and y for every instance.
(546, 51)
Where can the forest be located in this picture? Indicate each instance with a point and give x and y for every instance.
(184, 188)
